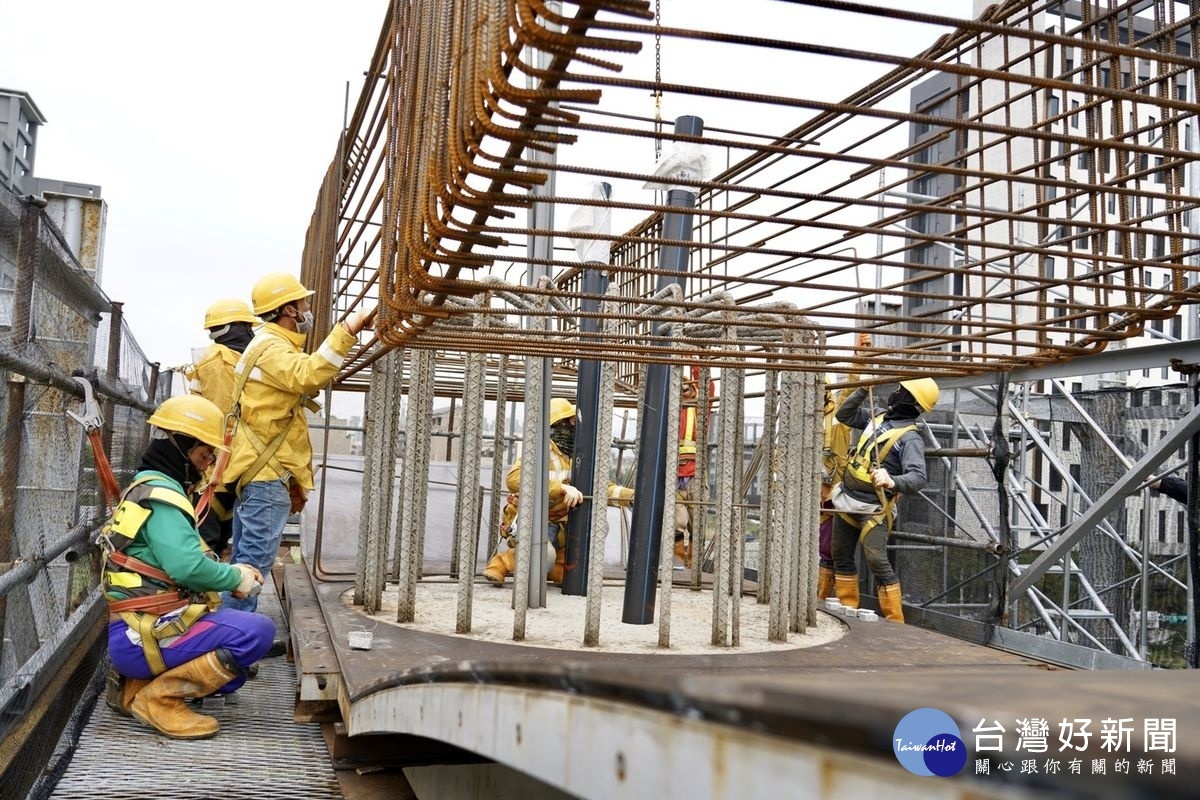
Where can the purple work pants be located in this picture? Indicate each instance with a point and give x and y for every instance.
(244, 634)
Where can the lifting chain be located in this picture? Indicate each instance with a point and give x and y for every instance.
(657, 78)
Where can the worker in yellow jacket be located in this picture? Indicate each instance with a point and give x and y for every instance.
(562, 497)
(230, 326)
(271, 464)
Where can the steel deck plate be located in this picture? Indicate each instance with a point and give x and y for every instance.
(259, 751)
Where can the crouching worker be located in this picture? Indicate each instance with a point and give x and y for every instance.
(887, 460)
(562, 497)
(168, 638)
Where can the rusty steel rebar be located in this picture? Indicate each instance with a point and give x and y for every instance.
(1080, 240)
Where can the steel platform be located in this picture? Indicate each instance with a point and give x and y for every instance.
(819, 719)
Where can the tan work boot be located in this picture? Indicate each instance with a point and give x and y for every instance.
(683, 552)
(555, 573)
(891, 602)
(121, 691)
(501, 564)
(846, 587)
(160, 704)
(824, 583)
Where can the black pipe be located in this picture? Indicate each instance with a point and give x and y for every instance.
(645, 535)
(587, 428)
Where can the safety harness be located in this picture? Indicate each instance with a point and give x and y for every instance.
(266, 450)
(142, 594)
(871, 449)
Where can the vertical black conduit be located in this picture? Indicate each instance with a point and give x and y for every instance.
(645, 535)
(587, 428)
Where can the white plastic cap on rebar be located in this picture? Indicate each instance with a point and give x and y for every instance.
(594, 220)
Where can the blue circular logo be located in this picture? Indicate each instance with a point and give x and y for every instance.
(927, 742)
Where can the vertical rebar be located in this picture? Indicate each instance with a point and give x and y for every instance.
(768, 536)
(699, 491)
(406, 369)
(379, 474)
(468, 501)
(364, 564)
(498, 465)
(420, 500)
(737, 536)
(528, 512)
(599, 486)
(728, 494)
(812, 471)
(778, 533)
(666, 556)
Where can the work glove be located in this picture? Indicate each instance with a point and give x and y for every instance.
(359, 321)
(882, 479)
(571, 496)
(298, 496)
(250, 584)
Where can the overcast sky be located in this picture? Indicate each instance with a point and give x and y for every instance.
(209, 125)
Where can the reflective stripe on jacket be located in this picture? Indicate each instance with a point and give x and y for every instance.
(282, 376)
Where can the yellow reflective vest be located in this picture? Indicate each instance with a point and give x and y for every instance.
(559, 472)
(212, 376)
(279, 381)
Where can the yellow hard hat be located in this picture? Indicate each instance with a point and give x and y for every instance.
(923, 390)
(561, 409)
(193, 415)
(275, 290)
(226, 311)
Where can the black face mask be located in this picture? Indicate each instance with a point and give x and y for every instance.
(902, 405)
(169, 456)
(236, 336)
(563, 437)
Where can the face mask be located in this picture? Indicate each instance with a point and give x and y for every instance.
(305, 323)
(564, 438)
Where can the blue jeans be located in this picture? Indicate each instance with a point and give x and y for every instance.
(258, 520)
(247, 637)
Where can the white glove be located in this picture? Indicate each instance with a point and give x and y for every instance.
(250, 579)
(359, 321)
(881, 479)
(571, 496)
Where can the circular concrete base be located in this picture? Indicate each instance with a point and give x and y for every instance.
(561, 623)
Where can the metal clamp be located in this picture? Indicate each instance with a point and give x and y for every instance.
(90, 419)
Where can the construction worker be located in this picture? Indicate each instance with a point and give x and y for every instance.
(230, 326)
(168, 638)
(835, 454)
(686, 472)
(562, 496)
(1173, 487)
(271, 463)
(888, 459)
